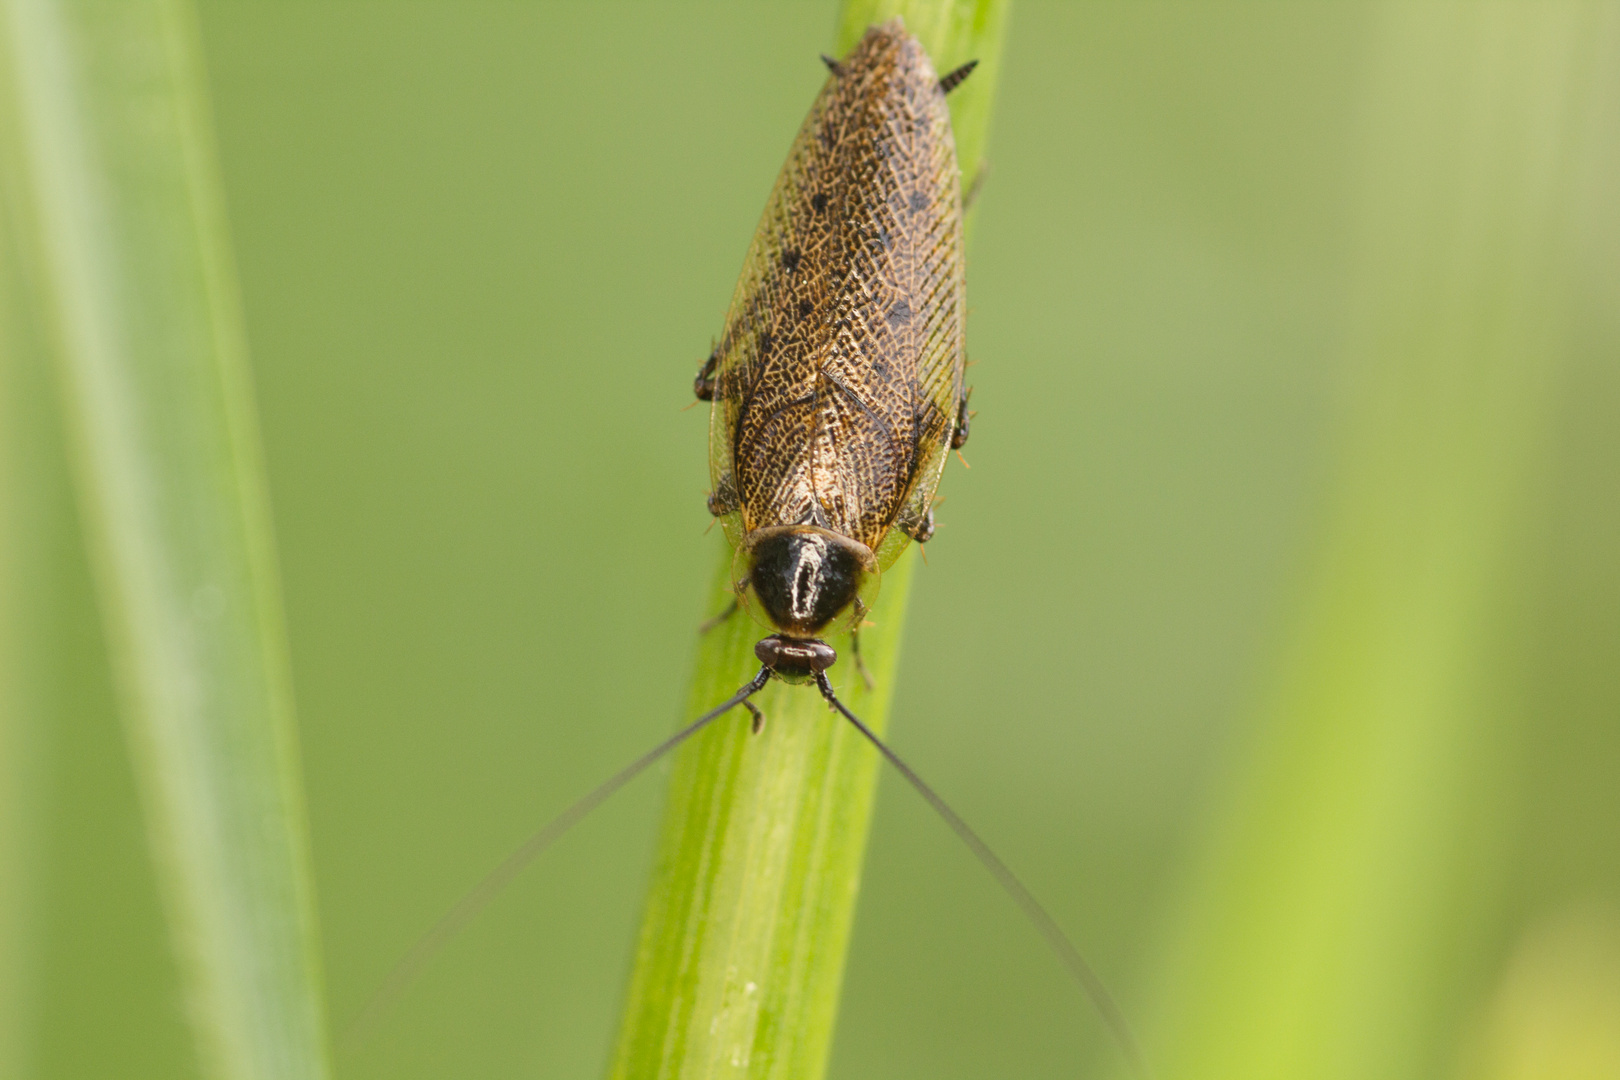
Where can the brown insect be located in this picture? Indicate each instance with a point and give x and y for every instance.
(837, 394)
(837, 383)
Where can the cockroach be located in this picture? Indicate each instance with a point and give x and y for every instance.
(836, 395)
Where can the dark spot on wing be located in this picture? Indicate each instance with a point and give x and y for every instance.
(818, 202)
(900, 313)
(790, 261)
(918, 202)
(805, 308)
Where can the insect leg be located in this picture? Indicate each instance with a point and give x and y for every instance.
(710, 624)
(758, 723)
(703, 385)
(959, 434)
(723, 499)
(921, 530)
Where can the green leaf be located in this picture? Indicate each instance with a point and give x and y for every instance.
(124, 234)
(748, 917)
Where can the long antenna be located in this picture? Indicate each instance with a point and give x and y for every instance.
(468, 907)
(1082, 971)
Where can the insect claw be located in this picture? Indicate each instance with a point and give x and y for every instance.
(963, 460)
(757, 725)
(832, 65)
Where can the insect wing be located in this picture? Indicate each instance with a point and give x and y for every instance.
(754, 323)
(840, 368)
(926, 269)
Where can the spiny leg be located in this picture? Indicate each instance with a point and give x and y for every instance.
(703, 385)
(723, 499)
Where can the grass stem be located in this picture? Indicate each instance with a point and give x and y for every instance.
(747, 922)
(127, 240)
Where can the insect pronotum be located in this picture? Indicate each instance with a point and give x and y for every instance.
(837, 394)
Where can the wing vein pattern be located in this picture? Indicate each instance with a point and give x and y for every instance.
(841, 362)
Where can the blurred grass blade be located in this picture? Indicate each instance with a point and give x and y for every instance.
(1353, 864)
(129, 239)
(22, 576)
(1556, 1013)
(743, 940)
(18, 811)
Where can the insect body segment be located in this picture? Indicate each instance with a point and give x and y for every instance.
(837, 381)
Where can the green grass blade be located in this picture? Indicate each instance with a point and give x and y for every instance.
(129, 241)
(743, 941)
(1353, 868)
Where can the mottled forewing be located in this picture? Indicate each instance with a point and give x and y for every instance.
(763, 313)
(841, 362)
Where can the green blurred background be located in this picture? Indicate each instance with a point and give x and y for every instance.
(483, 248)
